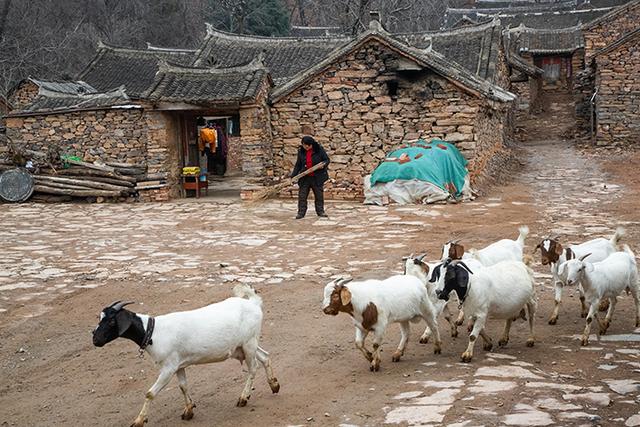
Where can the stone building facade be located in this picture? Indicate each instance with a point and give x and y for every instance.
(601, 32)
(617, 79)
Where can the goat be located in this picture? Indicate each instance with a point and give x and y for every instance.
(501, 291)
(415, 266)
(227, 329)
(554, 254)
(604, 279)
(374, 304)
(501, 250)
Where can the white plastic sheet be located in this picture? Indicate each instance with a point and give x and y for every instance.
(405, 192)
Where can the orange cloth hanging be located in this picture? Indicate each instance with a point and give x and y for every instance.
(208, 136)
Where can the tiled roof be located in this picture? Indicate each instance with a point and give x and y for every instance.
(423, 57)
(520, 64)
(539, 41)
(476, 47)
(71, 88)
(51, 102)
(298, 31)
(548, 19)
(134, 69)
(284, 57)
(206, 86)
(611, 15)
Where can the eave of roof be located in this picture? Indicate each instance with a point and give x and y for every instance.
(427, 58)
(610, 15)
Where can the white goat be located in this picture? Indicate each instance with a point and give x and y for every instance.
(374, 304)
(228, 329)
(552, 253)
(502, 250)
(501, 291)
(415, 266)
(604, 279)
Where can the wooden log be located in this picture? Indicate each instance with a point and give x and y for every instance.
(90, 192)
(61, 185)
(113, 181)
(151, 187)
(76, 171)
(103, 168)
(125, 165)
(81, 182)
(154, 176)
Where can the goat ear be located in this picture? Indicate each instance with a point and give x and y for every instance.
(456, 251)
(558, 248)
(345, 296)
(123, 319)
(538, 246)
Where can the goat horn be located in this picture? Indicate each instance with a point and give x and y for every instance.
(118, 306)
(421, 257)
(114, 303)
(342, 280)
(584, 256)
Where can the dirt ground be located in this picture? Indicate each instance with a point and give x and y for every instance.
(62, 264)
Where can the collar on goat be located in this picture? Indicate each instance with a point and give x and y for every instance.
(146, 340)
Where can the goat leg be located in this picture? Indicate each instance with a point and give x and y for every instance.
(187, 414)
(161, 382)
(265, 361)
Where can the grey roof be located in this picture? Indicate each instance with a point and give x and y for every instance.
(611, 15)
(68, 87)
(548, 19)
(520, 64)
(476, 48)
(205, 86)
(51, 102)
(423, 57)
(300, 31)
(284, 56)
(135, 69)
(540, 41)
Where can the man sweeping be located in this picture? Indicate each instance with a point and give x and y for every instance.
(311, 153)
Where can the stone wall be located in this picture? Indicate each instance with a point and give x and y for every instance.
(23, 95)
(604, 33)
(256, 138)
(352, 111)
(618, 99)
(126, 136)
(583, 88)
(529, 99)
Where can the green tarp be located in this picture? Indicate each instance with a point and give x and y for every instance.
(437, 162)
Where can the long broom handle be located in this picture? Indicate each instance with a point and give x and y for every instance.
(308, 171)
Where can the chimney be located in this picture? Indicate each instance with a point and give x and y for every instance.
(375, 22)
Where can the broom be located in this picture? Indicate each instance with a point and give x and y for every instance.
(272, 191)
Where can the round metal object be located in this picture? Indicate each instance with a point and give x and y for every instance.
(16, 185)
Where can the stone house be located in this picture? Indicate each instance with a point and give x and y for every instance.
(617, 82)
(359, 96)
(605, 30)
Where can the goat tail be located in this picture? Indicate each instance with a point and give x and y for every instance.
(524, 232)
(628, 250)
(617, 236)
(246, 291)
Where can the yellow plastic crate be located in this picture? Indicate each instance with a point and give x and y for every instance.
(191, 170)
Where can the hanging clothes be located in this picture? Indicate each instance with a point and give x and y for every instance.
(208, 138)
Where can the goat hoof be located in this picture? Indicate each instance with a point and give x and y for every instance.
(530, 342)
(396, 356)
(454, 333)
(554, 320)
(437, 350)
(583, 314)
(275, 386)
(139, 422)
(502, 343)
(188, 412)
(466, 357)
(424, 340)
(604, 305)
(375, 366)
(488, 346)
(242, 402)
(584, 341)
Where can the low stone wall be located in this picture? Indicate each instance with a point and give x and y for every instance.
(618, 99)
(23, 95)
(256, 139)
(136, 136)
(583, 89)
(353, 111)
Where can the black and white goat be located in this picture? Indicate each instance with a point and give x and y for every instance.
(217, 332)
(501, 291)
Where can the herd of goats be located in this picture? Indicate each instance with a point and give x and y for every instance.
(495, 282)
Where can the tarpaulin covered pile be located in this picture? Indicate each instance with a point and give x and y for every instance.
(419, 172)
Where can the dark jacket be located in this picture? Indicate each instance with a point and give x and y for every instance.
(319, 155)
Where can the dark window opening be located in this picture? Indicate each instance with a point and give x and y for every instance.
(392, 87)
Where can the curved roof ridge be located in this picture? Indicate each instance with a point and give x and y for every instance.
(530, 7)
(148, 50)
(522, 28)
(169, 49)
(255, 64)
(616, 10)
(212, 31)
(549, 12)
(494, 22)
